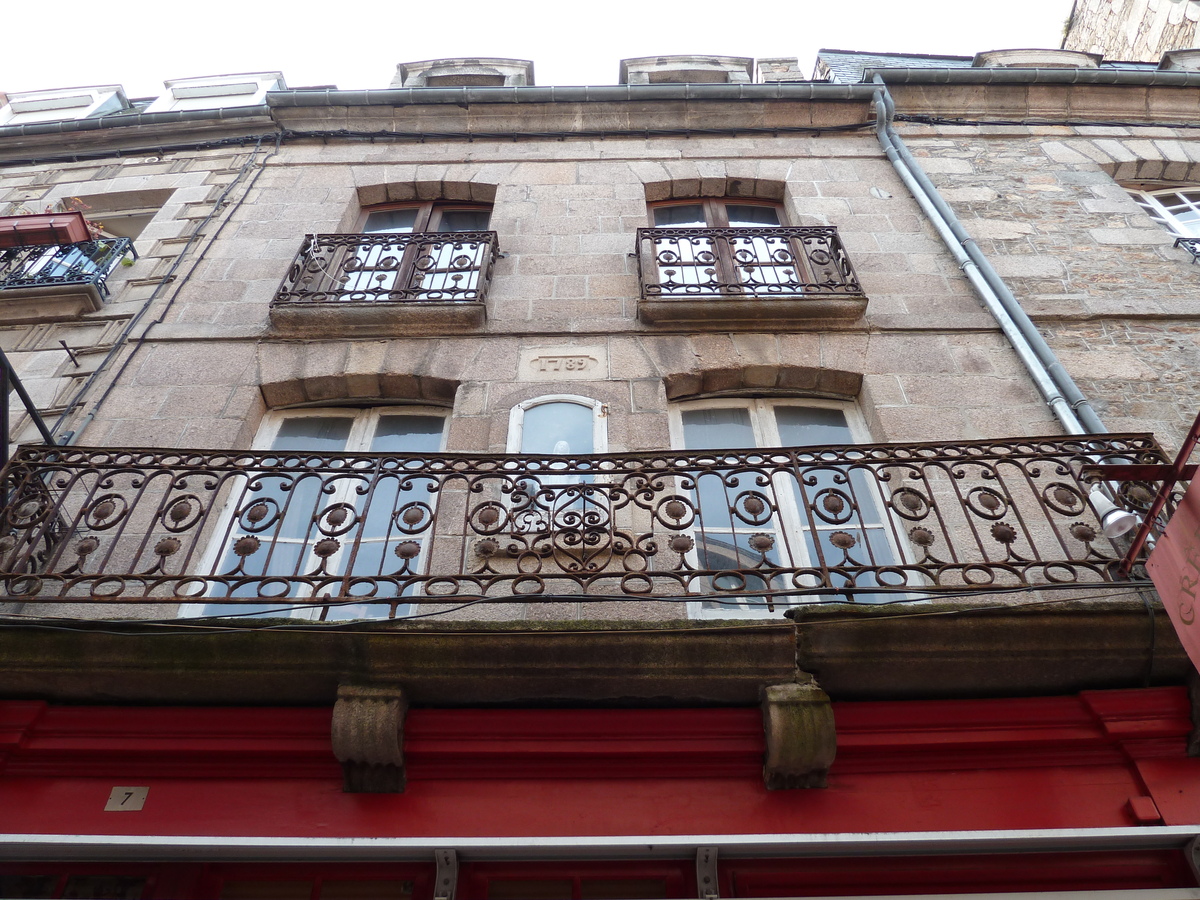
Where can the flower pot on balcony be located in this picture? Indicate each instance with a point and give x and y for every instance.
(46, 228)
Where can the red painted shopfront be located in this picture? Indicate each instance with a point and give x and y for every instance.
(1081, 792)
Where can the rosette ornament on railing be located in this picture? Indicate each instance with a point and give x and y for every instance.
(382, 268)
(768, 261)
(371, 535)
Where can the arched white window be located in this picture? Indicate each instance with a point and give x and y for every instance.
(1177, 209)
(796, 518)
(287, 531)
(557, 496)
(558, 424)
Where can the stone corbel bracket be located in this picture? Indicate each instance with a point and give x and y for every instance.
(368, 738)
(801, 739)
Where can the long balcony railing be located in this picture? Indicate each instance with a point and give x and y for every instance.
(785, 261)
(376, 533)
(87, 263)
(383, 268)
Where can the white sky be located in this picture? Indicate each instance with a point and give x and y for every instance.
(356, 44)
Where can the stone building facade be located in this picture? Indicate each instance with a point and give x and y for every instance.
(578, 589)
(1132, 29)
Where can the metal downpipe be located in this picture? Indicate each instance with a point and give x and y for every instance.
(1056, 385)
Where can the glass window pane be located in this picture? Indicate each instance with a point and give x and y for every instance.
(748, 216)
(873, 551)
(724, 428)
(558, 427)
(464, 220)
(408, 434)
(688, 216)
(325, 434)
(391, 221)
(812, 426)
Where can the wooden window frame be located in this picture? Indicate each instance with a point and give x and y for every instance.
(716, 215)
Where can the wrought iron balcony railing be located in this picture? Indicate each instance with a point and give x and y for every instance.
(367, 534)
(762, 262)
(87, 264)
(1191, 245)
(389, 268)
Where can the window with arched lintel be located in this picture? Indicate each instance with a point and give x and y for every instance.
(408, 263)
(705, 259)
(1175, 208)
(824, 512)
(320, 527)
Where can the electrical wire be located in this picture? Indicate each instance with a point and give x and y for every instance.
(1072, 123)
(218, 207)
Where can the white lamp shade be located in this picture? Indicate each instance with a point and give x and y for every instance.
(1114, 521)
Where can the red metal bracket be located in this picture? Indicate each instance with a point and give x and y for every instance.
(1170, 475)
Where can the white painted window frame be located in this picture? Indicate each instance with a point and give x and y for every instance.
(217, 91)
(766, 435)
(516, 419)
(1151, 202)
(62, 105)
(365, 420)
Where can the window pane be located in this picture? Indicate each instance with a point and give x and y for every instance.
(408, 434)
(811, 426)
(324, 434)
(718, 429)
(391, 221)
(558, 427)
(464, 220)
(688, 216)
(748, 216)
(871, 548)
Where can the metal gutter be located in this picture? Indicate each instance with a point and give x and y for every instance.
(175, 117)
(29, 847)
(812, 90)
(1053, 381)
(1007, 75)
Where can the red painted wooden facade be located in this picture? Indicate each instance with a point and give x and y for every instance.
(1106, 759)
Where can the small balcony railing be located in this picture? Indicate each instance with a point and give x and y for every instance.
(1191, 245)
(722, 528)
(765, 262)
(390, 268)
(84, 264)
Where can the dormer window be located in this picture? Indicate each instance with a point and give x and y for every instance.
(687, 70)
(1036, 58)
(66, 104)
(217, 92)
(475, 72)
